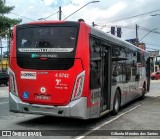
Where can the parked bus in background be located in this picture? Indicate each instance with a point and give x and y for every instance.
(71, 69)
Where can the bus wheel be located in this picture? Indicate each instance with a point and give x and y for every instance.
(116, 103)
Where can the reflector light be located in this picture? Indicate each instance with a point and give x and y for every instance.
(12, 83)
(78, 86)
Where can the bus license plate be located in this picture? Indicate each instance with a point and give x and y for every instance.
(42, 97)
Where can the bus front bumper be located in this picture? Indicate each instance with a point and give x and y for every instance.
(76, 109)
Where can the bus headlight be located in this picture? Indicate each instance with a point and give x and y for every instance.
(78, 86)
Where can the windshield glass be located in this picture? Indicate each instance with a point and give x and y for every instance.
(53, 39)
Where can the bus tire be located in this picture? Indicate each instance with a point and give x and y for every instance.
(116, 103)
(143, 92)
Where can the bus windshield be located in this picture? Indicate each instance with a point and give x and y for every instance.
(54, 39)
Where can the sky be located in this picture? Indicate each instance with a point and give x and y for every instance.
(102, 13)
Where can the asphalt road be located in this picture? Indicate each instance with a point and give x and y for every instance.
(137, 115)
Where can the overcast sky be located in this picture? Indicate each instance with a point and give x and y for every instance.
(100, 13)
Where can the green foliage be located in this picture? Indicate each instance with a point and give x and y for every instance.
(5, 9)
(6, 22)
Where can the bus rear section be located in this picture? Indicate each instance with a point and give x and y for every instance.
(48, 69)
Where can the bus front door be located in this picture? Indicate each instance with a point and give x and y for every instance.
(100, 74)
(105, 78)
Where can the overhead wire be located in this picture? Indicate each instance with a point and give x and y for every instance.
(132, 27)
(148, 30)
(126, 18)
(22, 16)
(108, 26)
(152, 48)
(158, 45)
(50, 15)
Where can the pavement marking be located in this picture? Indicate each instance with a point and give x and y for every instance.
(4, 103)
(115, 118)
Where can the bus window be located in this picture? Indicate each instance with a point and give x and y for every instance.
(119, 58)
(95, 47)
(95, 63)
(128, 64)
(47, 37)
(55, 43)
(95, 74)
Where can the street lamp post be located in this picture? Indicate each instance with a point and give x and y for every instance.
(81, 8)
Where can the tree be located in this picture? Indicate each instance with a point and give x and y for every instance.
(5, 25)
(5, 22)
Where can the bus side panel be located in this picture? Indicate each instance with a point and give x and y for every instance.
(83, 53)
(13, 53)
(13, 45)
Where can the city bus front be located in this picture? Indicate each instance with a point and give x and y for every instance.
(47, 72)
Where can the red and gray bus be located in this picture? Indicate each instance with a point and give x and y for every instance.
(71, 69)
